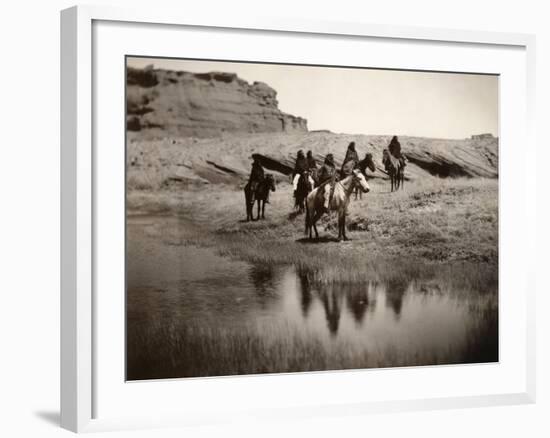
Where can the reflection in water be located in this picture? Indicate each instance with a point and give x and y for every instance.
(262, 278)
(395, 291)
(358, 302)
(170, 284)
(305, 293)
(332, 296)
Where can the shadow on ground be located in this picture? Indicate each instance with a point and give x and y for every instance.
(321, 239)
(51, 417)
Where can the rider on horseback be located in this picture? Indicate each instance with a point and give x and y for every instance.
(395, 149)
(350, 161)
(327, 177)
(303, 166)
(311, 163)
(299, 168)
(256, 174)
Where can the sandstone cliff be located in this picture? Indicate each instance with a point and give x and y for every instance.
(164, 103)
(188, 128)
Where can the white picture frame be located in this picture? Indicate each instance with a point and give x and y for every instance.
(80, 170)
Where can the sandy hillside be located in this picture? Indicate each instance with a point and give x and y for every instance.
(161, 163)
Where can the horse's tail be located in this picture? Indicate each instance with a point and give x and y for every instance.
(307, 225)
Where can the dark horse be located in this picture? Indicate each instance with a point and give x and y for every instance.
(303, 188)
(366, 163)
(258, 191)
(395, 168)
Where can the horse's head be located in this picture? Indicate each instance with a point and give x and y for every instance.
(304, 183)
(360, 180)
(270, 181)
(370, 162)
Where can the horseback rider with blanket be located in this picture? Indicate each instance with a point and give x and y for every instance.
(395, 149)
(350, 161)
(301, 167)
(311, 163)
(327, 178)
(257, 175)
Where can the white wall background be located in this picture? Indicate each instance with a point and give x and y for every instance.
(29, 220)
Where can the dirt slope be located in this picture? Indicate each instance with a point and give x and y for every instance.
(163, 162)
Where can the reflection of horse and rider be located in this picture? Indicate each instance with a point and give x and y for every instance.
(325, 189)
(333, 297)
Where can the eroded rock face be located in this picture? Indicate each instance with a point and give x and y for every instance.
(169, 103)
(198, 162)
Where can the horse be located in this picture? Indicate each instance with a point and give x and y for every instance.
(395, 168)
(262, 193)
(366, 163)
(258, 191)
(342, 191)
(304, 187)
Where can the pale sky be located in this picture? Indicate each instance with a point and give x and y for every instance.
(367, 101)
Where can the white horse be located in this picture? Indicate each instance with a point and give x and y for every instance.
(339, 202)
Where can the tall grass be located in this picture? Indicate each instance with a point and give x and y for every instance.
(195, 349)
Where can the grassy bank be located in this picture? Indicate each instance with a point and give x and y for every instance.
(433, 224)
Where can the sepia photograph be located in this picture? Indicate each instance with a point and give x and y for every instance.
(285, 218)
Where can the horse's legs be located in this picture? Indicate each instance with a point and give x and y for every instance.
(316, 232)
(313, 224)
(342, 226)
(258, 210)
(263, 209)
(246, 204)
(340, 232)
